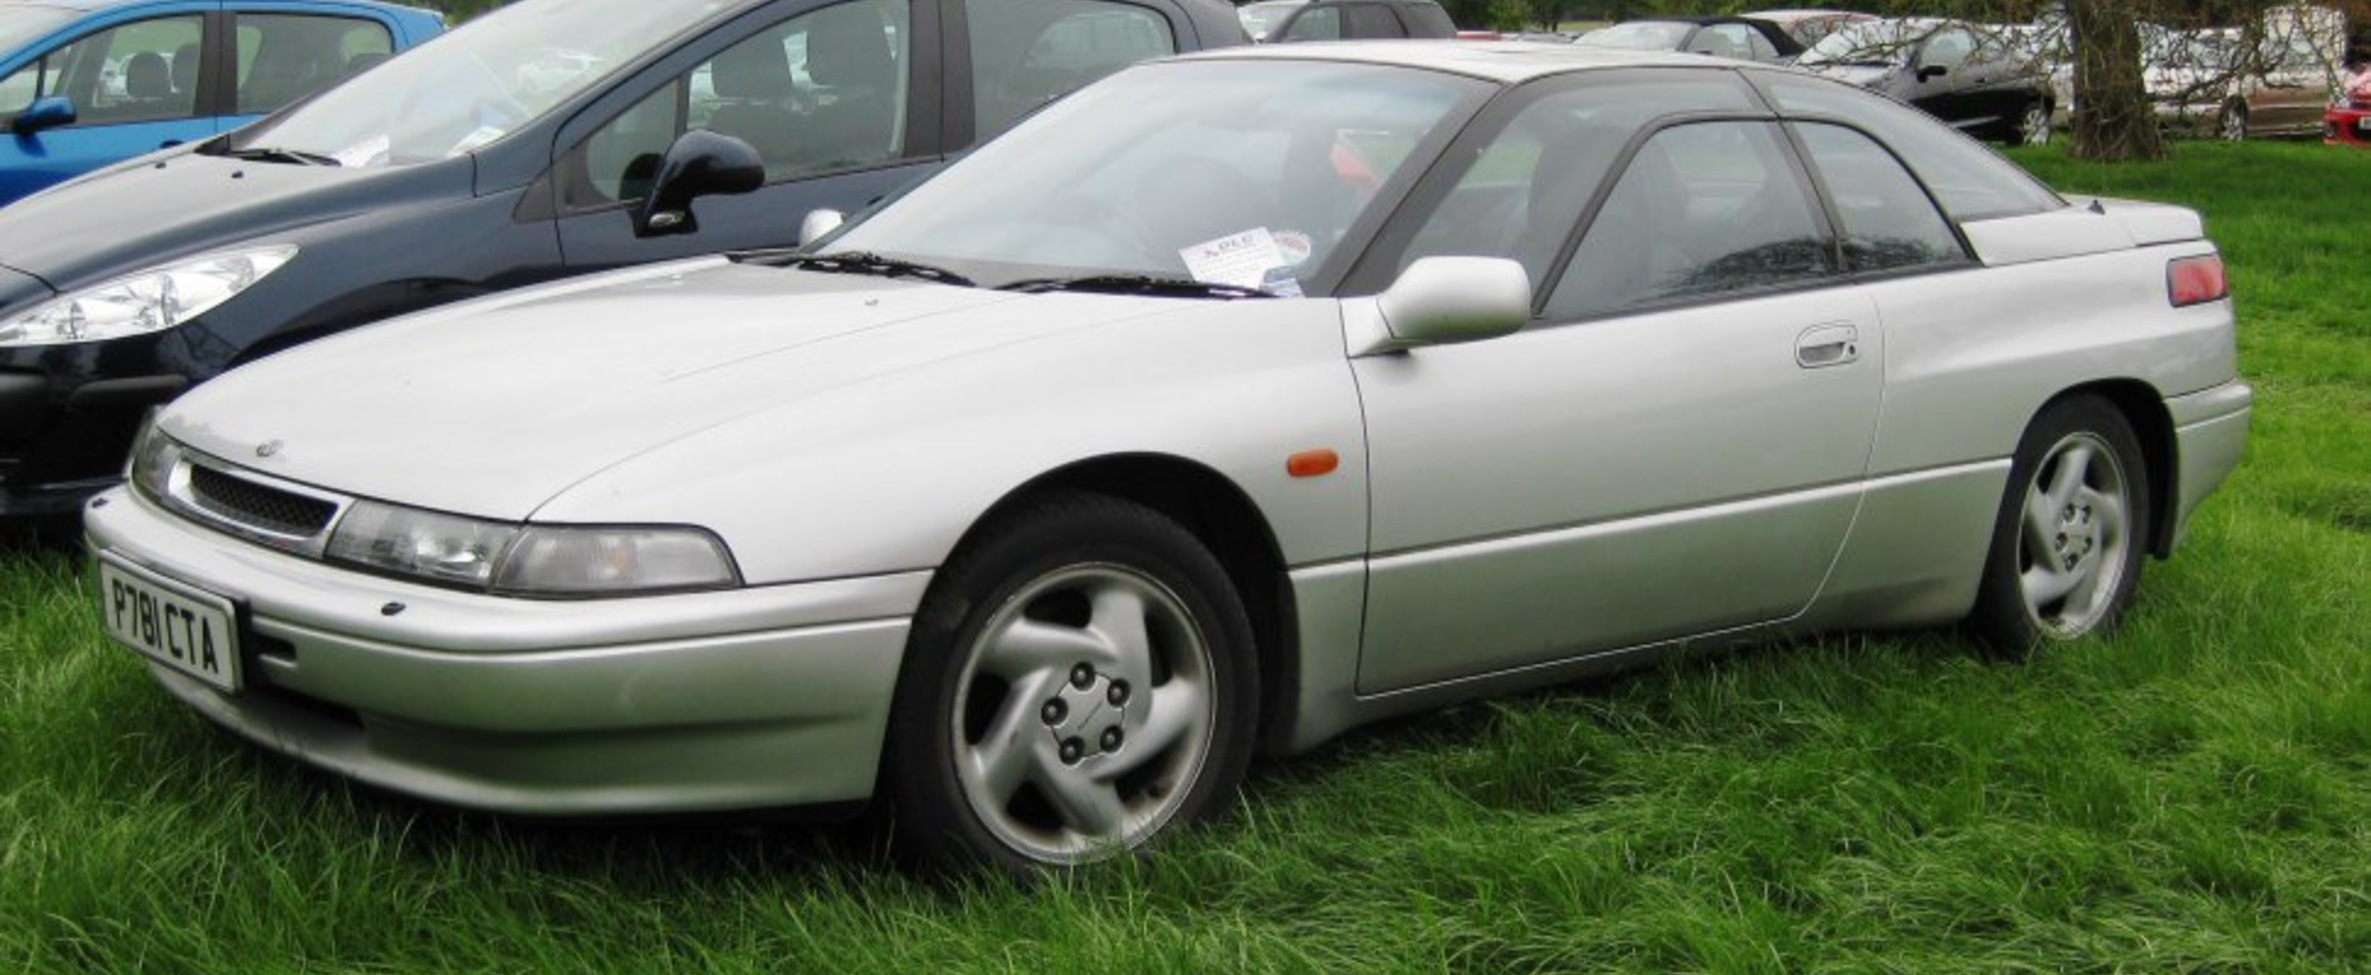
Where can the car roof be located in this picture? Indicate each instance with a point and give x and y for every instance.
(1510, 62)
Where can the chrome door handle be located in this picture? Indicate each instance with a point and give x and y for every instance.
(1822, 346)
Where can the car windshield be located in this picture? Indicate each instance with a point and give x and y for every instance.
(1236, 173)
(1641, 35)
(1865, 42)
(476, 84)
(19, 25)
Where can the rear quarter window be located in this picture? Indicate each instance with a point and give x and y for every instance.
(1970, 181)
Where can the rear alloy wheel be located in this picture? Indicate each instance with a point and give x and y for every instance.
(2067, 546)
(2232, 126)
(1080, 682)
(2033, 128)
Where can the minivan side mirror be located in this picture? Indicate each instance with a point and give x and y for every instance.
(1442, 301)
(819, 223)
(44, 113)
(700, 163)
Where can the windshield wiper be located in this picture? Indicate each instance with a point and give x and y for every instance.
(857, 262)
(277, 154)
(1136, 284)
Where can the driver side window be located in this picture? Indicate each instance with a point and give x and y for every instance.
(138, 72)
(1947, 49)
(820, 92)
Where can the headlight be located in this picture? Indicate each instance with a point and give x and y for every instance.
(149, 301)
(604, 561)
(440, 548)
(534, 560)
(154, 456)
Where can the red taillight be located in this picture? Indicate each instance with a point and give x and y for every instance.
(2196, 280)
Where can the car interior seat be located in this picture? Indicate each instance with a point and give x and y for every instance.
(848, 53)
(185, 69)
(365, 61)
(754, 77)
(1632, 250)
(148, 82)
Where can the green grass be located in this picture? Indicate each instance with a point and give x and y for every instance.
(2191, 796)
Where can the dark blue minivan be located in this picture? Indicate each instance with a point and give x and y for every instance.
(84, 83)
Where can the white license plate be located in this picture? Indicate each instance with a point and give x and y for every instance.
(2364, 123)
(189, 630)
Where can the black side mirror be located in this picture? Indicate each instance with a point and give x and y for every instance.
(1932, 71)
(700, 163)
(44, 113)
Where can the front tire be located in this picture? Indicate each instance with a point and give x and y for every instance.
(2071, 531)
(1079, 683)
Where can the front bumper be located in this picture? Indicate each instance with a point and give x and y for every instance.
(754, 698)
(2346, 126)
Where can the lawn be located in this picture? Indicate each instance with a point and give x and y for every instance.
(2193, 795)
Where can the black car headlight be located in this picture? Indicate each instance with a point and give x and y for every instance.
(149, 301)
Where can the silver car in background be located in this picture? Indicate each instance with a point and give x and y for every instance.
(1228, 404)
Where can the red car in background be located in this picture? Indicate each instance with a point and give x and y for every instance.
(2348, 120)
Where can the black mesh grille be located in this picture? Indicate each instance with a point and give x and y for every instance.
(257, 506)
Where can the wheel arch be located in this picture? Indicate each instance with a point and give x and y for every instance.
(1223, 516)
(2143, 407)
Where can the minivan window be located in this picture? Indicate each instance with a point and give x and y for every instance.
(1025, 56)
(284, 57)
(474, 86)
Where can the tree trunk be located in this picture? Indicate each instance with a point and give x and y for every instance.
(2112, 118)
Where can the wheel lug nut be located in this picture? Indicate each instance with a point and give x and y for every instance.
(1081, 676)
(1117, 694)
(1054, 711)
(1073, 750)
(1112, 738)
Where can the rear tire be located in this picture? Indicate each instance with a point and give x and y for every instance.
(2033, 127)
(2232, 126)
(2068, 542)
(1079, 683)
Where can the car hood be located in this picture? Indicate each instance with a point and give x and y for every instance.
(17, 287)
(493, 407)
(141, 213)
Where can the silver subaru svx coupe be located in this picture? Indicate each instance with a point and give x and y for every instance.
(1232, 402)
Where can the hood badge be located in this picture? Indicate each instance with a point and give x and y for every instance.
(268, 448)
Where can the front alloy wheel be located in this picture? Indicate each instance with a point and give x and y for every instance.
(1095, 692)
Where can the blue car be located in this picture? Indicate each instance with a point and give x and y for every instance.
(84, 83)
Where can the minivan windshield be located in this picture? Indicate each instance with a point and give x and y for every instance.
(1240, 174)
(19, 24)
(476, 84)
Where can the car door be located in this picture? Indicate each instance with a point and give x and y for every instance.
(840, 100)
(135, 86)
(1940, 81)
(1672, 448)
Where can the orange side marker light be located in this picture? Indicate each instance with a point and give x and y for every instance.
(1312, 463)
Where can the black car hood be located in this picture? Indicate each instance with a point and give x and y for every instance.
(134, 216)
